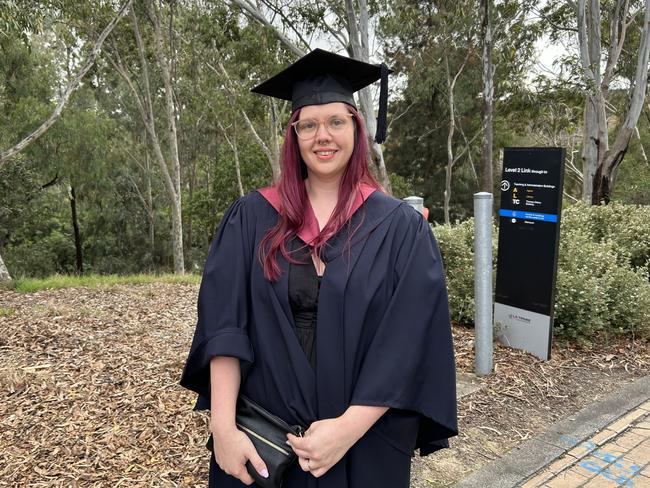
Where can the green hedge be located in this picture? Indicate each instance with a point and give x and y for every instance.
(603, 270)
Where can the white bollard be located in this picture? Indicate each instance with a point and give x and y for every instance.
(416, 202)
(483, 283)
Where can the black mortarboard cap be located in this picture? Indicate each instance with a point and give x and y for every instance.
(323, 77)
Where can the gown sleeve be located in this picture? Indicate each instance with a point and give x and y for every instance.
(410, 362)
(223, 303)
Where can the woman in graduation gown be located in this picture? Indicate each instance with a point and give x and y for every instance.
(323, 300)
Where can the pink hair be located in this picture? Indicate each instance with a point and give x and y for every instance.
(295, 202)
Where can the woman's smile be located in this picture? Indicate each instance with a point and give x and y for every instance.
(327, 153)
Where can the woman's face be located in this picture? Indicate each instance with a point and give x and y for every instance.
(327, 153)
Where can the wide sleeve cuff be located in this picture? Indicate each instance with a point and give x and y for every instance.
(232, 342)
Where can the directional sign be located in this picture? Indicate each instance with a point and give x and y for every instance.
(529, 224)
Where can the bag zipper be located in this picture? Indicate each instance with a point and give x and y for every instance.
(264, 440)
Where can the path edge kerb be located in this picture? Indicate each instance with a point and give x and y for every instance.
(531, 456)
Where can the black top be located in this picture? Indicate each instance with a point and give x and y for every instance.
(304, 285)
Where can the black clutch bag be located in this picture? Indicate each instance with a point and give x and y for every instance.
(269, 436)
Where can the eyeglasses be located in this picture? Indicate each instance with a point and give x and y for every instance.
(307, 128)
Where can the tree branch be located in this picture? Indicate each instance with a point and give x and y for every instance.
(286, 21)
(625, 131)
(222, 71)
(233, 145)
(73, 84)
(119, 67)
(551, 23)
(56, 178)
(616, 41)
(339, 36)
(252, 11)
(583, 40)
(400, 115)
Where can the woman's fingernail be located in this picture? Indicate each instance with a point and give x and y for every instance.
(288, 443)
(264, 473)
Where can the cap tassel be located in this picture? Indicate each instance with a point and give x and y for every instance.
(380, 134)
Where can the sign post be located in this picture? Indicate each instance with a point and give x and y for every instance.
(529, 230)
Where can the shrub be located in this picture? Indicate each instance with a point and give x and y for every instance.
(595, 291)
(457, 248)
(602, 282)
(626, 226)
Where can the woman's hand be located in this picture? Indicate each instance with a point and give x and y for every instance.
(232, 449)
(324, 444)
(327, 441)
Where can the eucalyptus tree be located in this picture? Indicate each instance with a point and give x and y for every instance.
(611, 42)
(230, 136)
(145, 62)
(72, 85)
(437, 48)
(82, 152)
(27, 74)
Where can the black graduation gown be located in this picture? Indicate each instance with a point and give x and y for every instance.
(383, 337)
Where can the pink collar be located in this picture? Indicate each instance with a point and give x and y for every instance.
(310, 229)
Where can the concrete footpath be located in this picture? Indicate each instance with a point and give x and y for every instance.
(607, 444)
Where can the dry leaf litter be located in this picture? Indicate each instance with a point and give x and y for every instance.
(90, 395)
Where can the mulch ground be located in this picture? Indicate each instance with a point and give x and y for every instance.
(90, 397)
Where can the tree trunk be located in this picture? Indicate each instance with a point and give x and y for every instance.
(598, 162)
(589, 45)
(358, 49)
(275, 145)
(4, 272)
(272, 153)
(177, 220)
(190, 190)
(150, 209)
(590, 147)
(450, 140)
(487, 179)
(143, 98)
(240, 186)
(77, 234)
(605, 175)
(451, 159)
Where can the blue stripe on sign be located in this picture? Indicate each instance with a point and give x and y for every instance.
(518, 214)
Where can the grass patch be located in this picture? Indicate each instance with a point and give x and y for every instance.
(6, 311)
(30, 285)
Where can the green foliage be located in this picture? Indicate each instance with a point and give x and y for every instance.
(603, 270)
(22, 17)
(457, 247)
(602, 281)
(49, 254)
(595, 293)
(421, 39)
(99, 146)
(400, 186)
(627, 227)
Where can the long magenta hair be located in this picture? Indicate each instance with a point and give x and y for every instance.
(295, 202)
